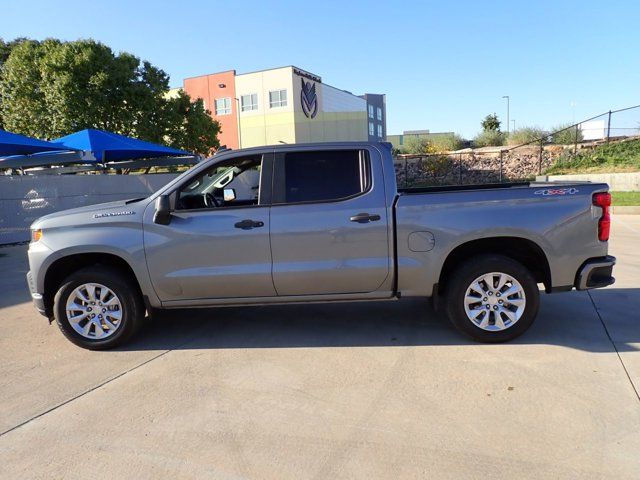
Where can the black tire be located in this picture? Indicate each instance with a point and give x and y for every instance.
(122, 286)
(461, 279)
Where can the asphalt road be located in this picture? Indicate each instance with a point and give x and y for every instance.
(370, 390)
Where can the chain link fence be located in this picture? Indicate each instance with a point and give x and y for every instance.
(518, 162)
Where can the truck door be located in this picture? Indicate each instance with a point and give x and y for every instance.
(215, 246)
(329, 225)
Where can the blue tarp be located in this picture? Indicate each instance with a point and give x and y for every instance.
(107, 146)
(14, 144)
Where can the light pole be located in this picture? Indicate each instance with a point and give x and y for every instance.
(514, 124)
(507, 97)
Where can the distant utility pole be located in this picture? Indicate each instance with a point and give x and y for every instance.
(507, 97)
(514, 125)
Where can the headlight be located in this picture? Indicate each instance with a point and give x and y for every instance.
(36, 234)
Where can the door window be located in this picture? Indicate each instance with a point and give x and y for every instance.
(316, 176)
(227, 184)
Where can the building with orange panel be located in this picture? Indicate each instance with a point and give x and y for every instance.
(286, 105)
(218, 91)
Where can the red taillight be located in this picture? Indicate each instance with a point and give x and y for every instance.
(603, 200)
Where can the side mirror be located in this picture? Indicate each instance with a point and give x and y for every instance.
(229, 194)
(163, 210)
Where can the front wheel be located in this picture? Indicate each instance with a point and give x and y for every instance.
(492, 298)
(98, 308)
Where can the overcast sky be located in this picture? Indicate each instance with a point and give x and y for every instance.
(443, 65)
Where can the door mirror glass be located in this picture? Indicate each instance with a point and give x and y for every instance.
(229, 194)
(162, 215)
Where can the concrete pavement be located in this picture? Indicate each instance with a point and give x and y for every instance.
(370, 390)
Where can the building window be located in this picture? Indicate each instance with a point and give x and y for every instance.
(277, 98)
(249, 102)
(223, 106)
(380, 131)
(379, 112)
(371, 129)
(371, 112)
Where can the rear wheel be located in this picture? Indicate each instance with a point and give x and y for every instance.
(492, 298)
(98, 308)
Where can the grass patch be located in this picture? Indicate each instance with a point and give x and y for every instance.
(625, 198)
(612, 158)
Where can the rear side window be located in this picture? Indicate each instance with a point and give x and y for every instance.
(320, 175)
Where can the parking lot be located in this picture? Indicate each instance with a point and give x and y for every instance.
(365, 390)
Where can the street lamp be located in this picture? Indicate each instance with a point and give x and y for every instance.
(507, 97)
(514, 125)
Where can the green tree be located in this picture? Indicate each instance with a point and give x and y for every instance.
(491, 123)
(191, 127)
(53, 88)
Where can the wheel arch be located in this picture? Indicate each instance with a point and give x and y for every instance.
(64, 266)
(520, 249)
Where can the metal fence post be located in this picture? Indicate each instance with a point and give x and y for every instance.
(406, 173)
(501, 152)
(460, 169)
(540, 158)
(575, 144)
(609, 127)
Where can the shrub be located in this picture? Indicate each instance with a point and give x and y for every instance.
(525, 135)
(566, 137)
(446, 142)
(417, 145)
(489, 138)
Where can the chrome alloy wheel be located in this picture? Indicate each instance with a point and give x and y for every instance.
(94, 311)
(494, 301)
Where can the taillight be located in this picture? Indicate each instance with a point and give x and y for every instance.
(603, 200)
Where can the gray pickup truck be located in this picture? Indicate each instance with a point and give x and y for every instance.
(318, 223)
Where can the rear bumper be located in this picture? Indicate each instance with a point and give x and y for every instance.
(38, 300)
(595, 273)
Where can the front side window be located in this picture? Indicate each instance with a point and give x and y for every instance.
(379, 113)
(320, 176)
(380, 131)
(370, 111)
(249, 102)
(223, 106)
(213, 187)
(371, 129)
(277, 98)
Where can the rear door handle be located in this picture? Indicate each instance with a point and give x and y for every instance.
(364, 218)
(248, 224)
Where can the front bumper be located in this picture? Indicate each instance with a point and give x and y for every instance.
(595, 273)
(38, 300)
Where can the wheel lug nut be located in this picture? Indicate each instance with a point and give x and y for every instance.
(484, 299)
(495, 307)
(500, 302)
(488, 307)
(498, 294)
(88, 309)
(490, 293)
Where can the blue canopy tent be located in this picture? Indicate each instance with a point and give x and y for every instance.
(111, 147)
(14, 144)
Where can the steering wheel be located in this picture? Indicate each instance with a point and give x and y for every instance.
(210, 200)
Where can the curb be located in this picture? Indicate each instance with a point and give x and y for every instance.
(626, 210)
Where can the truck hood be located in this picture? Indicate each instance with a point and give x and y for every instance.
(98, 211)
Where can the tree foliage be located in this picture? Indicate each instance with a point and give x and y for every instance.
(491, 123)
(52, 88)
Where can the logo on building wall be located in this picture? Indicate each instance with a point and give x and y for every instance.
(309, 98)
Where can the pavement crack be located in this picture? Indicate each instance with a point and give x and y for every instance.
(69, 400)
(606, 330)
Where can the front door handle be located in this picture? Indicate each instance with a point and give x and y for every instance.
(248, 224)
(364, 218)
